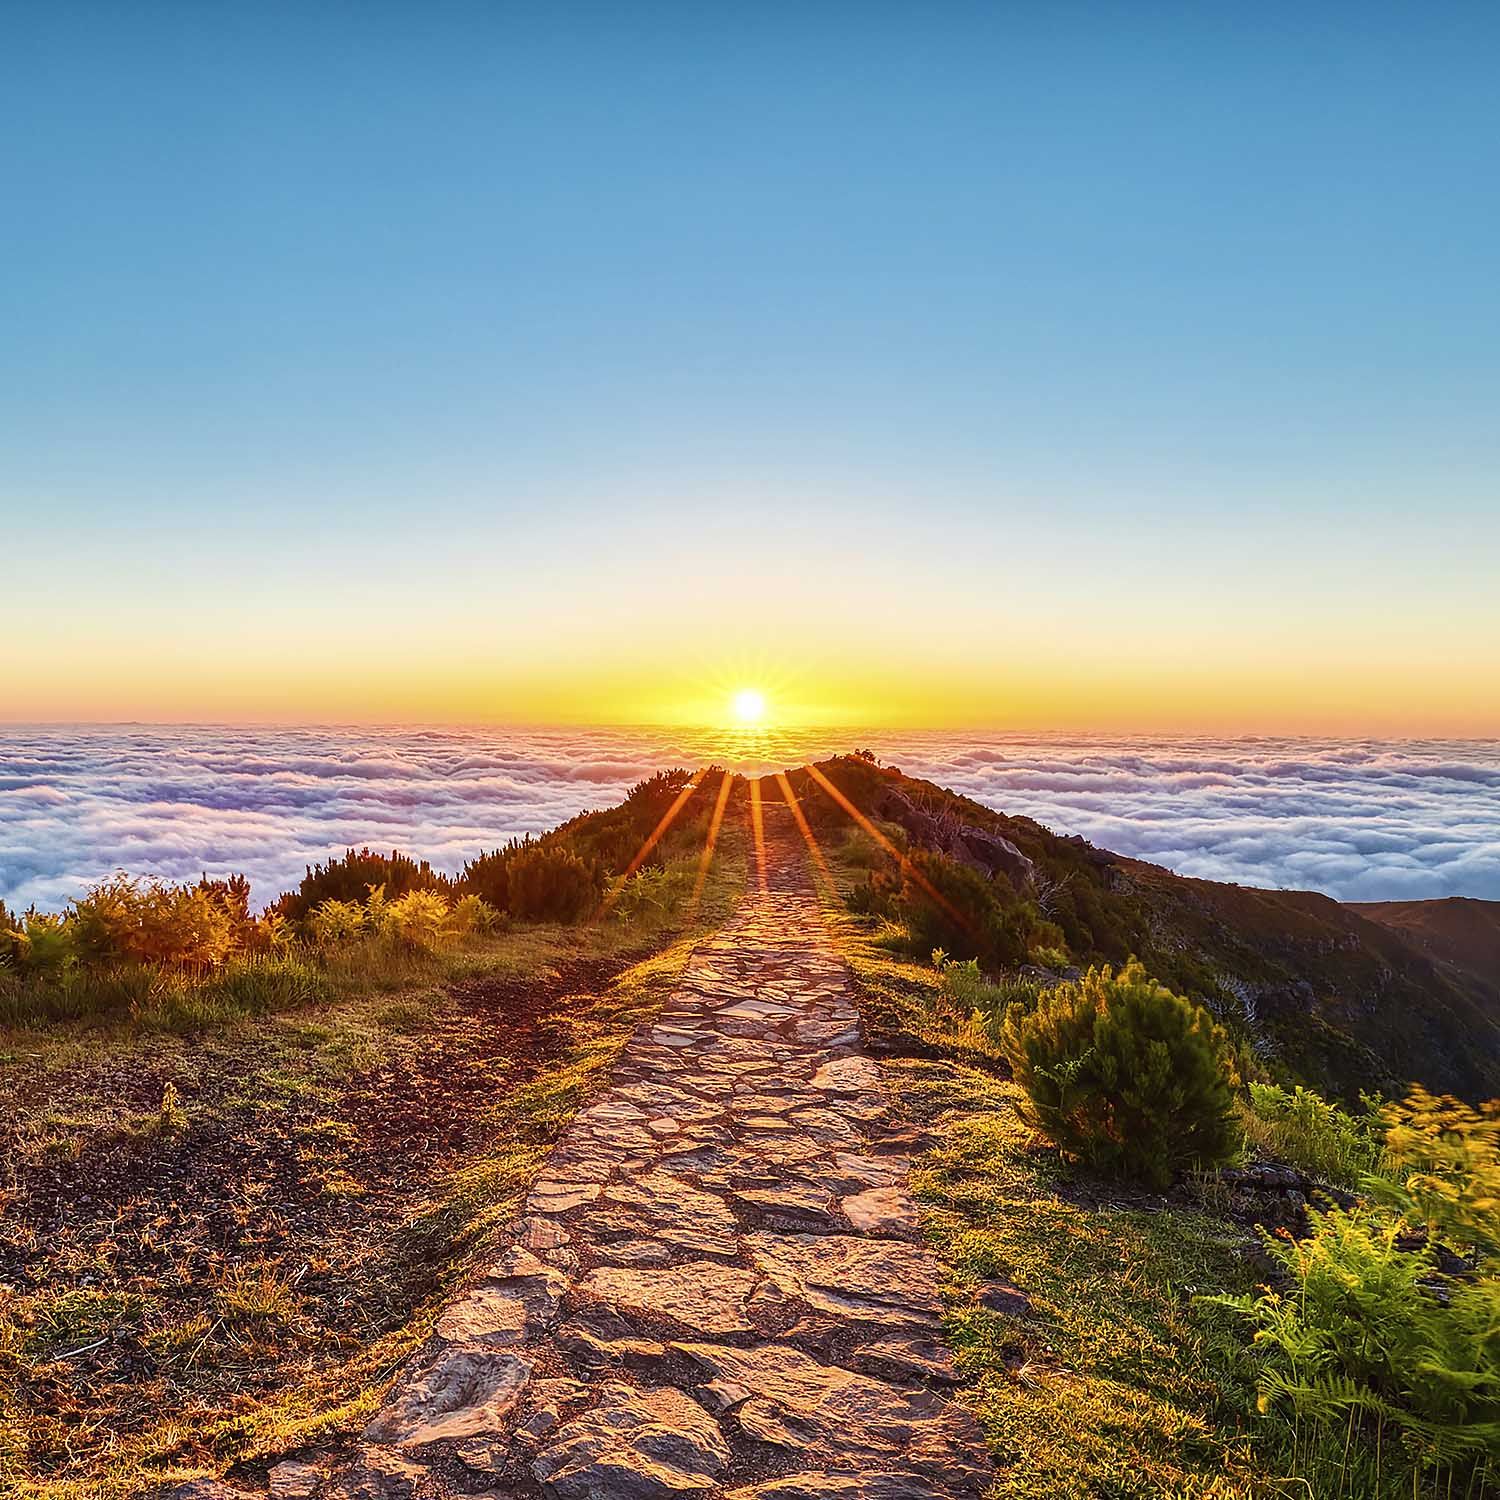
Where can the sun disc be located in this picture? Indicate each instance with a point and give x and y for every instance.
(749, 706)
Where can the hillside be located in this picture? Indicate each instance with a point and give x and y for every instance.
(1458, 930)
(1344, 997)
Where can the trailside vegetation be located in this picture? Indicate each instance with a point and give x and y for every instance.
(1124, 1075)
(1170, 1275)
(181, 955)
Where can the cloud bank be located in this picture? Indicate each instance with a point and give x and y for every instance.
(1361, 821)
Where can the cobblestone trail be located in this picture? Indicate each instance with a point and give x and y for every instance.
(717, 1288)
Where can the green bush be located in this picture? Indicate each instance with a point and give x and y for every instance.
(549, 883)
(1379, 1327)
(1301, 1127)
(1125, 1075)
(947, 905)
(419, 918)
(471, 914)
(354, 876)
(487, 876)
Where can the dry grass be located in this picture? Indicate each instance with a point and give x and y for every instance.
(216, 1247)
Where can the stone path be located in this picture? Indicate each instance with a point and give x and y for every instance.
(717, 1288)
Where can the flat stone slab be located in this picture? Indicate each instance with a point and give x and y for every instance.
(718, 1274)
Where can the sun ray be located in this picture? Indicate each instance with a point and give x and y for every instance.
(716, 818)
(652, 840)
(907, 867)
(758, 829)
(804, 827)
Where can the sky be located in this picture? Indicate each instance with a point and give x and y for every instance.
(1118, 367)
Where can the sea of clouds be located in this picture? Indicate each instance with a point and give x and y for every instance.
(1359, 820)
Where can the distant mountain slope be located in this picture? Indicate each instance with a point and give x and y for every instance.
(1341, 996)
(1457, 930)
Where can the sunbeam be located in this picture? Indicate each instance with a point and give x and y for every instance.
(716, 818)
(907, 867)
(803, 826)
(758, 830)
(652, 840)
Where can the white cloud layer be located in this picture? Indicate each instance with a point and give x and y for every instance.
(1361, 820)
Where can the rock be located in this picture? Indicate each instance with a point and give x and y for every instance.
(1002, 1297)
(635, 1445)
(376, 1474)
(867, 1280)
(701, 1295)
(290, 1480)
(465, 1392)
(849, 1075)
(541, 1234)
(840, 1487)
(885, 1212)
(804, 1201)
(784, 1397)
(908, 1359)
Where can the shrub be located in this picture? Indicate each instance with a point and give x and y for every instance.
(471, 914)
(947, 905)
(354, 876)
(549, 883)
(1301, 1127)
(337, 922)
(1443, 1164)
(488, 877)
(1124, 1075)
(129, 921)
(418, 918)
(1050, 956)
(46, 944)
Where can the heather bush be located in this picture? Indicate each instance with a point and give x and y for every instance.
(354, 876)
(487, 877)
(549, 883)
(1124, 1075)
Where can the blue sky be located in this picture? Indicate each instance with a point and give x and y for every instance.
(704, 306)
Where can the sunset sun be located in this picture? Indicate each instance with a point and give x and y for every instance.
(749, 706)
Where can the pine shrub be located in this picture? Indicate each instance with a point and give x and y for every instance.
(1124, 1075)
(947, 905)
(549, 883)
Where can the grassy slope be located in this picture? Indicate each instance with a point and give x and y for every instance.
(1341, 1002)
(223, 1279)
(1111, 1379)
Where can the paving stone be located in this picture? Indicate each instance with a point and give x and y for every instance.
(463, 1392)
(885, 1212)
(635, 1445)
(845, 1275)
(701, 1295)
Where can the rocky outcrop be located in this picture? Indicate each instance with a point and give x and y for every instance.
(978, 848)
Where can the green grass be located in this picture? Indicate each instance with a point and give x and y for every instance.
(1115, 1378)
(1109, 1383)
